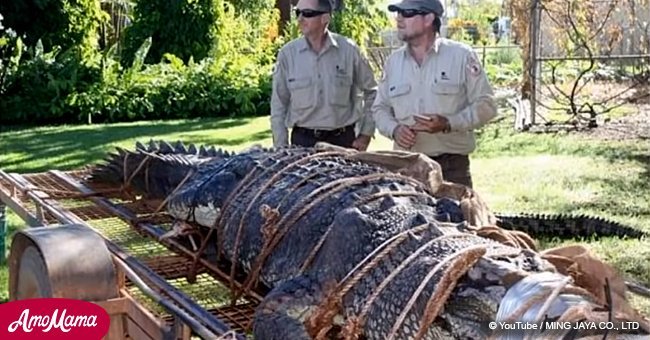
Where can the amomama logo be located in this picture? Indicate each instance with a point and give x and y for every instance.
(52, 318)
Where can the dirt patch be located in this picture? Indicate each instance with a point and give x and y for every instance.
(635, 124)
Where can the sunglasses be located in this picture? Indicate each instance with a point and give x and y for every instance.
(409, 13)
(308, 13)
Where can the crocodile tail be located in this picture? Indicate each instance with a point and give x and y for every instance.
(154, 170)
(566, 226)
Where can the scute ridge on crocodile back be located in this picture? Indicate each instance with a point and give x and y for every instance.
(156, 168)
(179, 148)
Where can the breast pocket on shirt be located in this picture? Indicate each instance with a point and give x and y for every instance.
(447, 97)
(341, 90)
(301, 93)
(399, 95)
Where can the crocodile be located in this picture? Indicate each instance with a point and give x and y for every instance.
(566, 225)
(349, 247)
(534, 224)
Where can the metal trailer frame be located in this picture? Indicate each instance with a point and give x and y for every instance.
(160, 296)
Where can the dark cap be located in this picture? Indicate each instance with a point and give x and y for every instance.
(434, 6)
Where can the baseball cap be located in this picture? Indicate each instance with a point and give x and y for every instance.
(434, 6)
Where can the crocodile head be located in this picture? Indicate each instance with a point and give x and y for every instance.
(536, 300)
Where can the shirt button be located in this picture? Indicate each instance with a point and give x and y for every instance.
(319, 76)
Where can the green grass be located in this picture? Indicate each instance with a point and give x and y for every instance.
(63, 147)
(4, 278)
(514, 172)
(563, 173)
(14, 223)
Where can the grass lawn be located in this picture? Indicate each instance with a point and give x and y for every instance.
(555, 173)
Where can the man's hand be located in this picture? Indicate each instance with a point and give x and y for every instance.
(404, 136)
(432, 123)
(361, 142)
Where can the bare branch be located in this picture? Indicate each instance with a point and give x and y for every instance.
(582, 72)
(604, 21)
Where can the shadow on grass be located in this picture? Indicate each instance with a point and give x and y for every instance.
(627, 196)
(83, 145)
(620, 198)
(499, 139)
(216, 141)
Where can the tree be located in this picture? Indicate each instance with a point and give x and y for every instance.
(184, 28)
(284, 6)
(521, 11)
(63, 23)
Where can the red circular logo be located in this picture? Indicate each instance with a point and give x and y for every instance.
(52, 318)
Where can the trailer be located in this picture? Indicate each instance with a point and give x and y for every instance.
(103, 245)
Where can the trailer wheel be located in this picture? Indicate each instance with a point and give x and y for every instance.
(32, 276)
(69, 261)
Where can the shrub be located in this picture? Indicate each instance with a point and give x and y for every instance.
(11, 50)
(171, 89)
(70, 87)
(181, 59)
(185, 28)
(38, 89)
(63, 23)
(360, 20)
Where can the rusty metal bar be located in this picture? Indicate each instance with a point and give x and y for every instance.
(152, 230)
(157, 232)
(39, 197)
(52, 191)
(203, 316)
(7, 198)
(3, 232)
(197, 312)
(186, 318)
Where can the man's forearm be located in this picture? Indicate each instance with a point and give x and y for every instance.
(367, 126)
(385, 122)
(279, 129)
(368, 122)
(474, 116)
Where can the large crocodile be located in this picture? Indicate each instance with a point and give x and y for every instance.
(353, 246)
(566, 225)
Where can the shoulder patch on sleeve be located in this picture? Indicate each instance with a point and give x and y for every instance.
(473, 65)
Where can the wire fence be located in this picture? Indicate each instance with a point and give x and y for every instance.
(377, 55)
(568, 52)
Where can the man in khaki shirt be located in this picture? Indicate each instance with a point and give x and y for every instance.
(433, 92)
(316, 83)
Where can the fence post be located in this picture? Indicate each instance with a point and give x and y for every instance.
(3, 232)
(534, 58)
(484, 53)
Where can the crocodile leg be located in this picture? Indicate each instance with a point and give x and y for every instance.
(284, 310)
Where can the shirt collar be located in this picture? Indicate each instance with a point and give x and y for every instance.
(435, 48)
(303, 45)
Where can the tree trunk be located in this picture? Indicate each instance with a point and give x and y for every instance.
(284, 6)
(520, 12)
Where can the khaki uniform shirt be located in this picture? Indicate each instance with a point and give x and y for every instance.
(321, 91)
(450, 82)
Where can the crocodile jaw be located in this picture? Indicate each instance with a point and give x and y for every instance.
(528, 288)
(205, 215)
